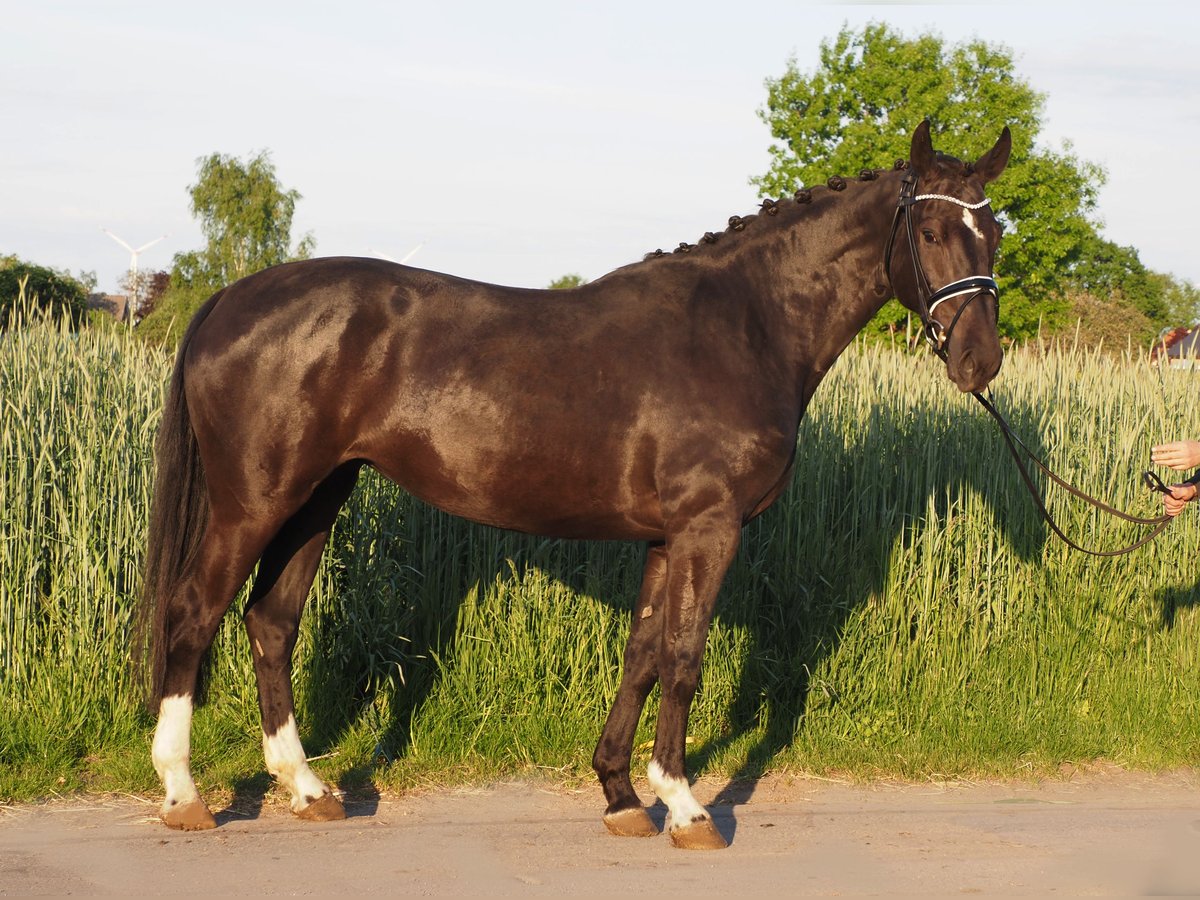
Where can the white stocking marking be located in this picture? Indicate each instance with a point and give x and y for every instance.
(171, 750)
(285, 760)
(674, 792)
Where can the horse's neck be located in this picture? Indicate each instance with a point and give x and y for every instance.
(818, 271)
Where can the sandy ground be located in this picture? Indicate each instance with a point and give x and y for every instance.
(1099, 833)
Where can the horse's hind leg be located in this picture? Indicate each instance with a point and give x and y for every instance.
(223, 561)
(285, 575)
(625, 815)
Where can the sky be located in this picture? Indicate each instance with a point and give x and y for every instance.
(516, 142)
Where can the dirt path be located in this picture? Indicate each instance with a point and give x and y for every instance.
(1100, 833)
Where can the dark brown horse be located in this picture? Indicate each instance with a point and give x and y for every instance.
(659, 403)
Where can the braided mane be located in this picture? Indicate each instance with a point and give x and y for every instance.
(770, 208)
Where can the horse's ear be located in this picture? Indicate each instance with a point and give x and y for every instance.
(992, 163)
(921, 155)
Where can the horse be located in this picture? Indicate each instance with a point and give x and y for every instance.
(659, 403)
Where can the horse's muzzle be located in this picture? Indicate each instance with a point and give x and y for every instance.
(974, 368)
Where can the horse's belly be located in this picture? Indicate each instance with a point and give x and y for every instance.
(573, 492)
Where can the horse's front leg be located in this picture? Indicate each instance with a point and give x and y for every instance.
(697, 558)
(625, 815)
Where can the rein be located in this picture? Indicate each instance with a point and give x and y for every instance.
(1013, 442)
(938, 338)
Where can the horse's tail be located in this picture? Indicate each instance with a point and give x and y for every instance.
(178, 518)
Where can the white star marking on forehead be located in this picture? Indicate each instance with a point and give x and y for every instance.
(969, 221)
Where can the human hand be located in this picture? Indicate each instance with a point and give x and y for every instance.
(1176, 455)
(1180, 496)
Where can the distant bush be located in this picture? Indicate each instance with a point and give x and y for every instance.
(45, 290)
(172, 311)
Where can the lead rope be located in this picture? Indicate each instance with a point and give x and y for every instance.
(1013, 442)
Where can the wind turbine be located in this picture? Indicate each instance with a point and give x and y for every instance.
(133, 268)
(409, 255)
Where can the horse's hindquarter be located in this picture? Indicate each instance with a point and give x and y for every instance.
(568, 414)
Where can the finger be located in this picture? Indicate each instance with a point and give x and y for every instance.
(1173, 462)
(1174, 448)
(1175, 455)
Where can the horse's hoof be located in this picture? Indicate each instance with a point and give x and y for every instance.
(701, 834)
(190, 816)
(631, 822)
(327, 808)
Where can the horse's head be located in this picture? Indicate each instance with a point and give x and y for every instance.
(940, 256)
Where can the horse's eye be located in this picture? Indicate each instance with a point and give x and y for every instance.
(930, 237)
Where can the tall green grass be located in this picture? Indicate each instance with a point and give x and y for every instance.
(900, 611)
(77, 420)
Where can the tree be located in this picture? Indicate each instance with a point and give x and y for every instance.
(1108, 324)
(1104, 269)
(246, 217)
(151, 288)
(1182, 299)
(566, 282)
(859, 108)
(42, 289)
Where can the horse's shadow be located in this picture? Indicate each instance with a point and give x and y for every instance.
(787, 591)
(249, 794)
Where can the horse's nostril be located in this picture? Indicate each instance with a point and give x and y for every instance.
(969, 371)
(967, 365)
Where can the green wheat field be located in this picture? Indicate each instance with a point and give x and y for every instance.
(901, 612)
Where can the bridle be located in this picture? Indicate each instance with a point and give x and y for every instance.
(928, 300)
(938, 338)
